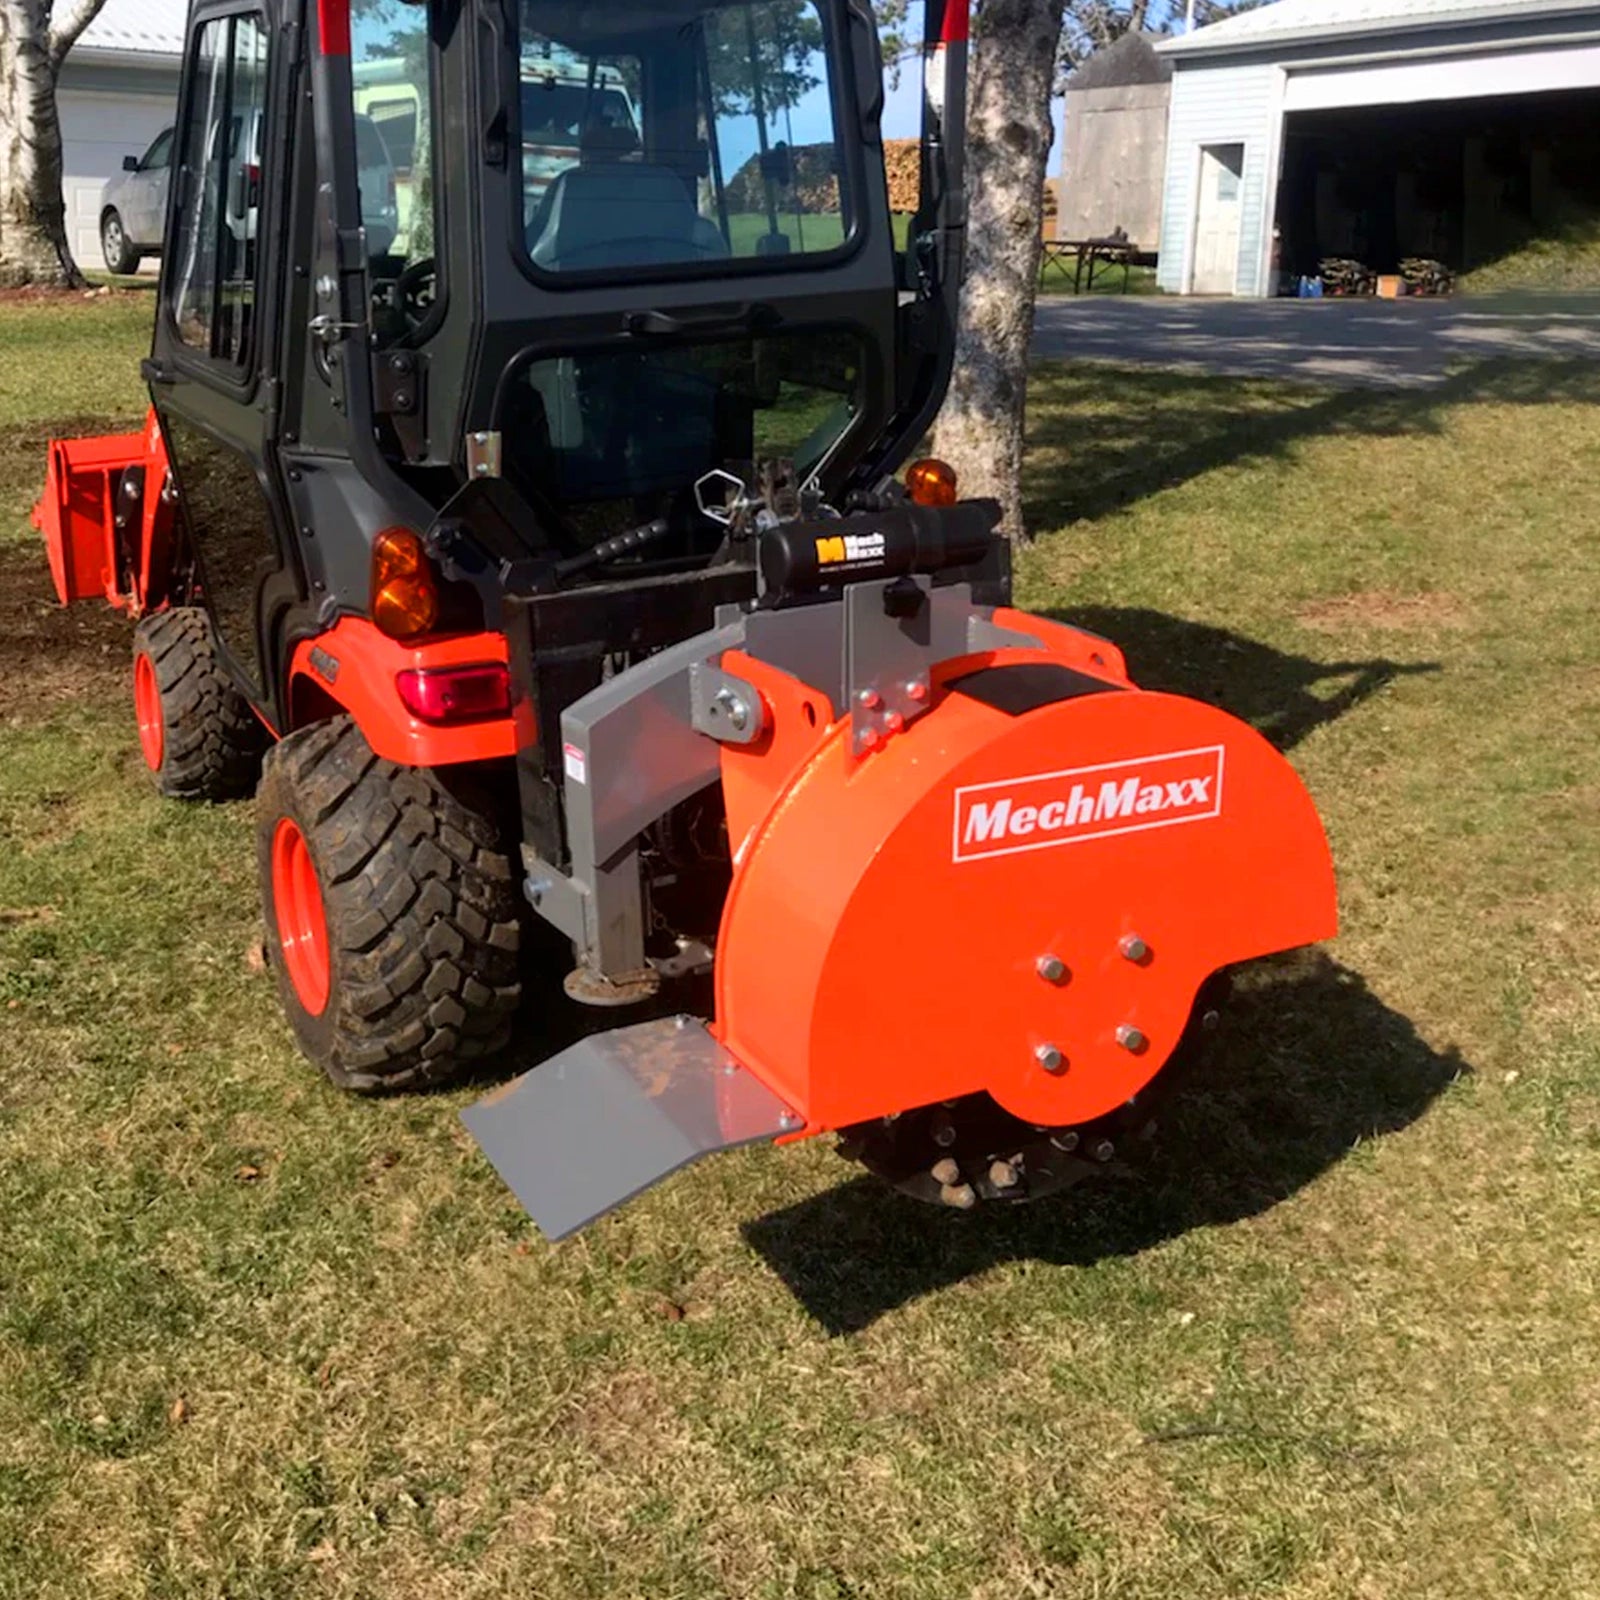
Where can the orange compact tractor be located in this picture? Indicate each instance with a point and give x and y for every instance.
(521, 515)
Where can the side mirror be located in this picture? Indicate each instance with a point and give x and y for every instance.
(130, 163)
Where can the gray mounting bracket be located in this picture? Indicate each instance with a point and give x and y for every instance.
(891, 643)
(723, 707)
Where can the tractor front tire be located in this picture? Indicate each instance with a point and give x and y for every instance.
(200, 739)
(391, 913)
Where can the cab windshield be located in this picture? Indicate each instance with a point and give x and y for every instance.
(680, 134)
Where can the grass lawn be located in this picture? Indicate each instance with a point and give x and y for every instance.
(257, 1340)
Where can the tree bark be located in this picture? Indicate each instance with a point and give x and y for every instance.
(33, 221)
(980, 430)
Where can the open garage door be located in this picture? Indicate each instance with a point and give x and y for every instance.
(1375, 173)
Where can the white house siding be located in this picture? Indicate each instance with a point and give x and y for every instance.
(106, 113)
(1220, 105)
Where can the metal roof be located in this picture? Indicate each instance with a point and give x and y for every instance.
(1308, 21)
(137, 27)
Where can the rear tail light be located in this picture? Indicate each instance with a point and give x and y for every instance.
(405, 595)
(456, 694)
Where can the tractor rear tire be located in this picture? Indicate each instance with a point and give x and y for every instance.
(391, 911)
(200, 739)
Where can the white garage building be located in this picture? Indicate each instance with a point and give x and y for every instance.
(1374, 129)
(118, 90)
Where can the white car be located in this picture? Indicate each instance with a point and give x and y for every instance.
(133, 206)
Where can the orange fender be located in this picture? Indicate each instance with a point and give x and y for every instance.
(355, 666)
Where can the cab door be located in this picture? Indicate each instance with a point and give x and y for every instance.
(213, 369)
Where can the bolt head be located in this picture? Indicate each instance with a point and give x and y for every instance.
(917, 690)
(734, 708)
(869, 699)
(1051, 968)
(894, 722)
(1131, 1038)
(1049, 1057)
(1103, 1150)
(1134, 948)
(789, 1121)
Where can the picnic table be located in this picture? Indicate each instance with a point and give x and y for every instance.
(1078, 256)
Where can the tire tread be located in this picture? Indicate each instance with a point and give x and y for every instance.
(423, 919)
(213, 743)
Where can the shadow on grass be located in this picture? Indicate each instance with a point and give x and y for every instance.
(1284, 697)
(1311, 1066)
(1100, 438)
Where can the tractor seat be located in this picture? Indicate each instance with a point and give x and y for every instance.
(619, 214)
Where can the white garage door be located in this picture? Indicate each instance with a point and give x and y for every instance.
(1458, 78)
(97, 130)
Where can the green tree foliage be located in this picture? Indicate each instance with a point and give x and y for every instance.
(1091, 25)
(1088, 25)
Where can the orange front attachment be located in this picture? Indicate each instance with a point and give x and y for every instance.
(1023, 902)
(78, 511)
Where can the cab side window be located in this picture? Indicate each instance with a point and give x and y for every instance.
(212, 294)
(393, 105)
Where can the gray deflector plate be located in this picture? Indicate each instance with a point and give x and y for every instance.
(615, 1113)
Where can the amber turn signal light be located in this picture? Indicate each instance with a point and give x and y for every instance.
(931, 483)
(405, 597)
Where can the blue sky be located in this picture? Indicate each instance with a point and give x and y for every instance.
(902, 113)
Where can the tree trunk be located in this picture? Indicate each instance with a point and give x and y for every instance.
(980, 430)
(33, 222)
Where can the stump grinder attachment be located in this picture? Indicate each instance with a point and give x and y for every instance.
(979, 881)
(532, 385)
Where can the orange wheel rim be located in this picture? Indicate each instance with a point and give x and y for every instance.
(302, 922)
(147, 707)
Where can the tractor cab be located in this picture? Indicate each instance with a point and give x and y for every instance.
(531, 386)
(529, 276)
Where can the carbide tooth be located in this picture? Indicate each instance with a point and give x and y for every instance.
(1003, 1175)
(946, 1173)
(961, 1196)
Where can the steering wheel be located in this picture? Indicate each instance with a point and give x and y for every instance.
(415, 288)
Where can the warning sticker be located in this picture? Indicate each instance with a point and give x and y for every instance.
(575, 763)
